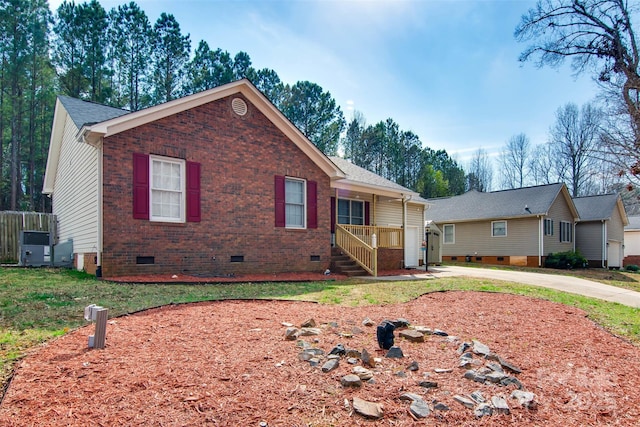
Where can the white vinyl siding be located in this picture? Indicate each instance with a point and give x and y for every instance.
(75, 195)
(589, 240)
(499, 229)
(295, 212)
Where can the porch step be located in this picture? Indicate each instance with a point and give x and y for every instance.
(343, 264)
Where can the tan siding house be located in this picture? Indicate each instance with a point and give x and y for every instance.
(600, 230)
(512, 227)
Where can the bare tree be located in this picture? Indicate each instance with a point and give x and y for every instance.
(514, 161)
(574, 138)
(480, 171)
(541, 165)
(598, 36)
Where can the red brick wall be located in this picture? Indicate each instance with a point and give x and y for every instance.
(532, 261)
(390, 259)
(239, 157)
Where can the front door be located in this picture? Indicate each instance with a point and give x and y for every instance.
(411, 247)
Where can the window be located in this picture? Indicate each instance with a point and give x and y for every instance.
(548, 227)
(167, 189)
(449, 233)
(350, 212)
(294, 197)
(498, 228)
(566, 232)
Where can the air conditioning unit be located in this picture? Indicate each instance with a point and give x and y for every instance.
(35, 248)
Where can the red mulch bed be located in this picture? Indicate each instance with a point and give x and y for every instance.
(227, 363)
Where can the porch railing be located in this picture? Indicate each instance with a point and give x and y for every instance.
(361, 252)
(387, 237)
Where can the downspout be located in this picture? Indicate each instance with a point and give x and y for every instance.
(100, 213)
(540, 239)
(604, 245)
(405, 200)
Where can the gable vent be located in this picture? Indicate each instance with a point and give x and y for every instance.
(239, 106)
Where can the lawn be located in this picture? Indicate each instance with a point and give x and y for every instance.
(37, 305)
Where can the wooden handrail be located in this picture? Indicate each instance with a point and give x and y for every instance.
(360, 251)
(387, 237)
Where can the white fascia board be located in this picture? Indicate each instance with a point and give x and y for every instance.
(349, 185)
(60, 116)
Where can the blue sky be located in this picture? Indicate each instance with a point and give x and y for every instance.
(447, 70)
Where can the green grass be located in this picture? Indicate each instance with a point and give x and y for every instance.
(37, 305)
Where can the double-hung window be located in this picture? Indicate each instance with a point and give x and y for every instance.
(566, 232)
(548, 227)
(498, 228)
(350, 212)
(294, 203)
(449, 231)
(167, 189)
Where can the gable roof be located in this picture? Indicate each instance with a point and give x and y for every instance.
(634, 223)
(600, 208)
(95, 122)
(85, 113)
(360, 179)
(517, 203)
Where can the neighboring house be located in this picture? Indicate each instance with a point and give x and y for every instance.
(212, 184)
(600, 229)
(632, 241)
(512, 227)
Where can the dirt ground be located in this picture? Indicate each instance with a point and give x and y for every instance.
(227, 363)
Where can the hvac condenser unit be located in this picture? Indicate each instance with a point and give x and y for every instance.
(35, 248)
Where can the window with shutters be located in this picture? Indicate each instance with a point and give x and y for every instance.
(548, 227)
(566, 232)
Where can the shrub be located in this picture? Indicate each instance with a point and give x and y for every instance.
(566, 260)
(632, 267)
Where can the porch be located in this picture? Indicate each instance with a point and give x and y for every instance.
(362, 242)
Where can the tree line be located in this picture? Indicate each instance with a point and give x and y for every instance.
(119, 58)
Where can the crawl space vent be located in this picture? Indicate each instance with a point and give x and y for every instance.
(239, 106)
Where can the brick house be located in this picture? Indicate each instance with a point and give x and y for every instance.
(215, 183)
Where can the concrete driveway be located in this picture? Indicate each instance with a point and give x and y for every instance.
(563, 283)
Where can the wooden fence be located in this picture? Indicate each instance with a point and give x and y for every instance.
(12, 223)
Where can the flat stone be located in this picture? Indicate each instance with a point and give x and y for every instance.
(420, 409)
(465, 401)
(351, 380)
(411, 335)
(410, 397)
(443, 370)
(309, 323)
(394, 352)
(483, 410)
(500, 405)
(339, 350)
(352, 360)
(291, 334)
(314, 362)
(507, 381)
(330, 365)
(363, 373)
(413, 366)
(440, 333)
(508, 366)
(423, 330)
(524, 398)
(464, 347)
(466, 362)
(368, 322)
(428, 384)
(495, 377)
(353, 353)
(477, 397)
(310, 331)
(439, 406)
(367, 409)
(401, 323)
(480, 348)
(287, 324)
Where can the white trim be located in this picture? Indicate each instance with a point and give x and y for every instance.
(350, 200)
(444, 234)
(183, 188)
(304, 203)
(493, 230)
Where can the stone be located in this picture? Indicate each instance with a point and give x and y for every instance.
(367, 409)
(475, 376)
(394, 352)
(303, 344)
(310, 331)
(477, 397)
(356, 331)
(482, 410)
(466, 362)
(338, 350)
(420, 409)
(352, 360)
(428, 384)
(440, 333)
(330, 365)
(442, 370)
(314, 362)
(465, 401)
(500, 405)
(507, 381)
(495, 377)
(411, 335)
(496, 367)
(508, 366)
(368, 322)
(401, 323)
(309, 323)
(439, 406)
(351, 381)
(480, 348)
(401, 374)
(366, 359)
(423, 330)
(287, 324)
(384, 334)
(353, 353)
(524, 398)
(413, 366)
(333, 356)
(291, 334)
(410, 397)
(363, 373)
(464, 347)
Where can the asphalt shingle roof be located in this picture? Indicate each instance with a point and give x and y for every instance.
(596, 208)
(474, 205)
(358, 174)
(83, 112)
(634, 223)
